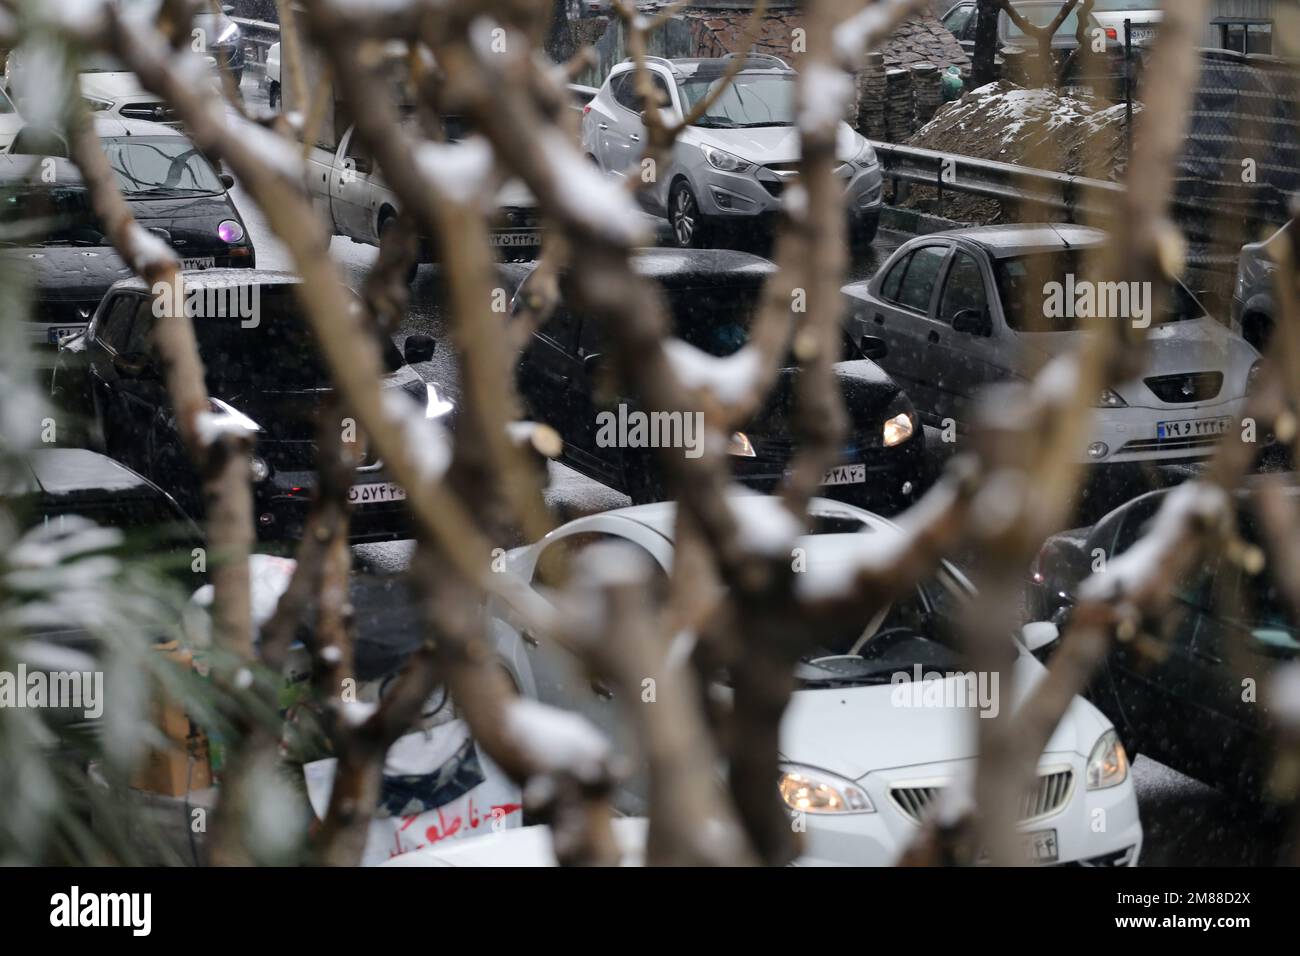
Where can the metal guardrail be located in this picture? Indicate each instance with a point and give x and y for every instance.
(952, 172)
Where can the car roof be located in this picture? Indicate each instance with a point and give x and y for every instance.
(679, 268)
(755, 510)
(216, 279)
(65, 471)
(714, 65)
(1015, 239)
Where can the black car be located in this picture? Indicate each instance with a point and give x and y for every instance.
(52, 243)
(173, 190)
(1200, 704)
(712, 296)
(263, 374)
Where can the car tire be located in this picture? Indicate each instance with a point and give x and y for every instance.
(273, 96)
(414, 270)
(689, 228)
(865, 229)
(641, 482)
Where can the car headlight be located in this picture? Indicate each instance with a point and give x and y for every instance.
(809, 790)
(740, 446)
(1253, 374)
(727, 162)
(898, 429)
(230, 231)
(96, 105)
(231, 30)
(435, 406)
(260, 470)
(1109, 398)
(1108, 764)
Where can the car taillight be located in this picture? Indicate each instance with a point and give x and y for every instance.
(1112, 33)
(586, 109)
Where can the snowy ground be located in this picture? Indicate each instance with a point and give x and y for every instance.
(1186, 823)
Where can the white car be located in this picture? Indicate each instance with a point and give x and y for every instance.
(523, 846)
(732, 165)
(885, 715)
(964, 310)
(10, 121)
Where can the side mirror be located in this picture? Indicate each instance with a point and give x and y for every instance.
(592, 364)
(1039, 635)
(135, 365)
(873, 347)
(418, 348)
(973, 322)
(228, 180)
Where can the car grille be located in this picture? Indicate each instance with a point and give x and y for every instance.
(1188, 387)
(1171, 444)
(158, 112)
(1049, 796)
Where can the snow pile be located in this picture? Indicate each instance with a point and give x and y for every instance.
(556, 740)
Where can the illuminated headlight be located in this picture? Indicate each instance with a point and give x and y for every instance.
(808, 790)
(898, 429)
(230, 231)
(727, 162)
(229, 32)
(1108, 764)
(260, 470)
(435, 405)
(740, 446)
(1110, 399)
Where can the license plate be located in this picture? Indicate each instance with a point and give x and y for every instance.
(1040, 846)
(198, 265)
(514, 239)
(53, 335)
(376, 493)
(1143, 34)
(845, 475)
(1195, 428)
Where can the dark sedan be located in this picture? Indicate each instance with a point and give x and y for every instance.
(712, 296)
(52, 243)
(263, 374)
(173, 190)
(1198, 700)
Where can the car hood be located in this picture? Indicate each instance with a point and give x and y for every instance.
(866, 387)
(110, 86)
(774, 144)
(161, 210)
(1198, 345)
(853, 731)
(67, 273)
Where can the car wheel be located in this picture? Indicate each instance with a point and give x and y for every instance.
(273, 97)
(414, 270)
(689, 228)
(865, 229)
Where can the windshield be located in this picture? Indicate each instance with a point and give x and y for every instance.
(276, 354)
(161, 166)
(917, 630)
(753, 99)
(714, 320)
(1047, 292)
(1041, 17)
(6, 107)
(52, 216)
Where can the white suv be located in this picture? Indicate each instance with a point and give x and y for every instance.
(735, 162)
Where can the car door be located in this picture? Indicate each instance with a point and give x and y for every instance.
(351, 193)
(960, 21)
(621, 132)
(970, 362)
(553, 382)
(900, 313)
(143, 398)
(107, 338)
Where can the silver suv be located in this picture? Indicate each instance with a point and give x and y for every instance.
(735, 162)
